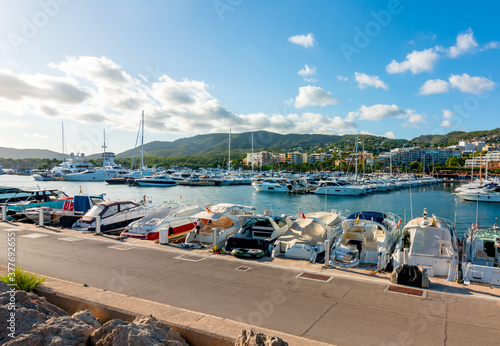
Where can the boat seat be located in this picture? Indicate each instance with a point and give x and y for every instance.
(481, 255)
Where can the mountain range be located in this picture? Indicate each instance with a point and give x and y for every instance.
(241, 143)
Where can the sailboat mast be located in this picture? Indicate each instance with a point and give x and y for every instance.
(63, 146)
(356, 170)
(142, 143)
(229, 155)
(252, 152)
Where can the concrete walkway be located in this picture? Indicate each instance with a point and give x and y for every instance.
(338, 307)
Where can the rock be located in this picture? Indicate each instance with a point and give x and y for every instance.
(30, 309)
(144, 331)
(60, 331)
(4, 287)
(252, 338)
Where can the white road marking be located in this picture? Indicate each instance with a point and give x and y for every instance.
(34, 235)
(121, 247)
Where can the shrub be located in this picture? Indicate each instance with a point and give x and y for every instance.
(23, 280)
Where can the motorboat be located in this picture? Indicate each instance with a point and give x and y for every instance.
(73, 164)
(339, 188)
(161, 180)
(488, 193)
(109, 170)
(175, 217)
(257, 232)
(222, 219)
(74, 209)
(481, 255)
(114, 216)
(306, 235)
(13, 194)
(272, 185)
(430, 242)
(43, 176)
(368, 237)
(51, 198)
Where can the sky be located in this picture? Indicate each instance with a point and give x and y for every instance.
(398, 69)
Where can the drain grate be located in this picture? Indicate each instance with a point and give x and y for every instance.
(315, 277)
(406, 290)
(190, 258)
(243, 268)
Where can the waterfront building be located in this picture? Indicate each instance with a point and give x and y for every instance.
(264, 158)
(296, 157)
(491, 159)
(405, 156)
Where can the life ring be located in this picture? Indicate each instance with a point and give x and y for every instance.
(247, 253)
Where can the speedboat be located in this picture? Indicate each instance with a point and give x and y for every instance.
(114, 216)
(306, 235)
(272, 185)
(329, 187)
(368, 237)
(481, 255)
(429, 242)
(222, 218)
(51, 198)
(486, 194)
(161, 180)
(178, 218)
(13, 194)
(257, 232)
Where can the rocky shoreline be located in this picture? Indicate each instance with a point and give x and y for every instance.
(38, 322)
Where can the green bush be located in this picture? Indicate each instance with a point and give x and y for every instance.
(23, 280)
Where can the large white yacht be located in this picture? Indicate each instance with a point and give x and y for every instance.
(340, 188)
(73, 164)
(109, 170)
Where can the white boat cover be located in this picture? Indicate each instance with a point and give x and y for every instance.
(431, 241)
(309, 231)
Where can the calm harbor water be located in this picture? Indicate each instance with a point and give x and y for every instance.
(436, 198)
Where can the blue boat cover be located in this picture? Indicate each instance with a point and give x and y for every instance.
(368, 215)
(81, 203)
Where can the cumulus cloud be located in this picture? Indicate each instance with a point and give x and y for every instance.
(466, 43)
(106, 95)
(413, 117)
(491, 45)
(434, 86)
(314, 96)
(446, 123)
(390, 134)
(342, 78)
(416, 62)
(365, 80)
(447, 114)
(305, 41)
(471, 85)
(307, 71)
(376, 112)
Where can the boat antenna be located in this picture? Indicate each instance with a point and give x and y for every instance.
(356, 169)
(252, 153)
(63, 146)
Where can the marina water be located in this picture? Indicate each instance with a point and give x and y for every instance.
(438, 199)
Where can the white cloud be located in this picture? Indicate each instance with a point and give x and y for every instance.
(491, 45)
(376, 112)
(305, 41)
(446, 123)
(447, 114)
(36, 135)
(471, 85)
(365, 80)
(314, 96)
(413, 117)
(466, 43)
(307, 71)
(390, 134)
(434, 86)
(416, 62)
(342, 78)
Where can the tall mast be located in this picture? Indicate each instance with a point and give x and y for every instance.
(229, 155)
(104, 159)
(363, 158)
(252, 152)
(356, 174)
(63, 146)
(142, 143)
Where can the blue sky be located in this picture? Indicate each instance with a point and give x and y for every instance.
(392, 68)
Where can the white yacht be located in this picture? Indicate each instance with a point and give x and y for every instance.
(73, 164)
(109, 170)
(429, 242)
(330, 187)
(271, 185)
(481, 255)
(160, 180)
(368, 237)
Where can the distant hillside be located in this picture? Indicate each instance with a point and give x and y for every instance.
(454, 137)
(11, 153)
(217, 143)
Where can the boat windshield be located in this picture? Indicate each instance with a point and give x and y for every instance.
(95, 211)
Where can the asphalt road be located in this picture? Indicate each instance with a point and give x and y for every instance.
(341, 311)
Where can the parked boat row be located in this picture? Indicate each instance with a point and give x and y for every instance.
(480, 191)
